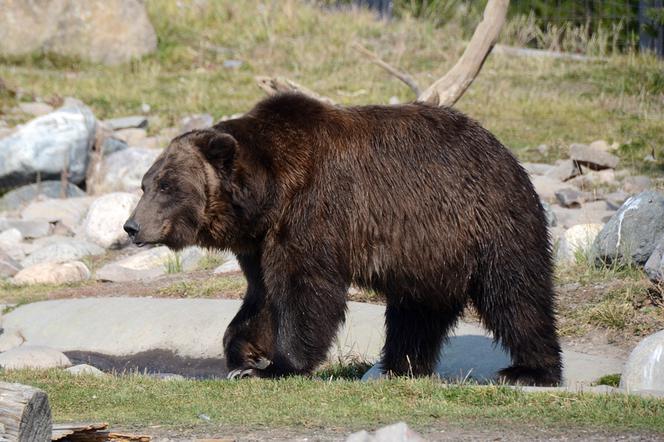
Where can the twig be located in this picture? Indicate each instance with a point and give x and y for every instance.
(278, 85)
(410, 82)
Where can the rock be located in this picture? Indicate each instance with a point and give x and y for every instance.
(543, 149)
(145, 265)
(636, 184)
(135, 121)
(103, 31)
(16, 198)
(104, 221)
(616, 199)
(190, 257)
(644, 369)
(47, 145)
(133, 136)
(564, 170)
(62, 249)
(35, 109)
(654, 267)
(112, 145)
(537, 168)
(9, 239)
(592, 178)
(10, 340)
(29, 228)
(551, 219)
(53, 273)
(592, 157)
(569, 197)
(399, 432)
(192, 122)
(546, 187)
(633, 231)
(86, 370)
(601, 145)
(124, 170)
(8, 266)
(33, 356)
(69, 211)
(577, 240)
(230, 266)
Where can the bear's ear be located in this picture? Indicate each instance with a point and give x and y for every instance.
(219, 149)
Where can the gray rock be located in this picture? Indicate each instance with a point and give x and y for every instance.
(134, 121)
(633, 231)
(537, 168)
(29, 228)
(144, 265)
(85, 370)
(33, 356)
(577, 240)
(546, 187)
(644, 369)
(592, 157)
(564, 170)
(230, 266)
(8, 266)
(551, 219)
(10, 340)
(399, 432)
(53, 273)
(35, 109)
(9, 239)
(105, 31)
(16, 198)
(190, 257)
(616, 199)
(48, 144)
(134, 137)
(112, 145)
(592, 178)
(62, 249)
(105, 218)
(636, 184)
(200, 121)
(123, 171)
(570, 197)
(654, 267)
(69, 211)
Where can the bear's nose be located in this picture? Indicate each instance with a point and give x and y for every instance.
(132, 228)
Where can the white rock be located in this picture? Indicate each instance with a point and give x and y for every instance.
(399, 432)
(546, 187)
(9, 239)
(85, 369)
(576, 240)
(145, 265)
(29, 228)
(230, 266)
(123, 171)
(644, 369)
(68, 211)
(8, 265)
(35, 109)
(53, 273)
(9, 340)
(104, 221)
(33, 356)
(190, 257)
(132, 136)
(61, 249)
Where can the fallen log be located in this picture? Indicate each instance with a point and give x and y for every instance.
(24, 414)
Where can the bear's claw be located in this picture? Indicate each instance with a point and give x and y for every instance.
(240, 373)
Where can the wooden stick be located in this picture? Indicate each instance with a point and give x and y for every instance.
(374, 58)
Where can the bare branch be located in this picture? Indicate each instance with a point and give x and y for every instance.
(449, 88)
(276, 85)
(389, 68)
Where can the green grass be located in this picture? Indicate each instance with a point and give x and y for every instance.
(612, 380)
(25, 293)
(315, 403)
(206, 288)
(526, 102)
(173, 264)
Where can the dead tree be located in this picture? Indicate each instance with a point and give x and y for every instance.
(446, 90)
(24, 414)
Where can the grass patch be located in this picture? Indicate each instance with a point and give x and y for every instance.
(21, 294)
(174, 263)
(207, 288)
(612, 380)
(311, 403)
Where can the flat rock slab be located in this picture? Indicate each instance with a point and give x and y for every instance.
(111, 329)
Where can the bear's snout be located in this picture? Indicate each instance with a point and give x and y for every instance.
(132, 228)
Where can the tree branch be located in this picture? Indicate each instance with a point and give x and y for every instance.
(389, 68)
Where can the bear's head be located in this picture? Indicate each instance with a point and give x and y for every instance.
(196, 193)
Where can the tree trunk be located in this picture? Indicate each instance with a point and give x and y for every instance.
(24, 414)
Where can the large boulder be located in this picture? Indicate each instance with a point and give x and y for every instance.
(69, 212)
(644, 369)
(654, 267)
(592, 157)
(53, 273)
(15, 199)
(577, 240)
(633, 231)
(149, 264)
(123, 171)
(33, 356)
(106, 31)
(8, 266)
(29, 228)
(105, 218)
(47, 145)
(61, 249)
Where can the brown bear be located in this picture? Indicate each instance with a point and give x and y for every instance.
(416, 202)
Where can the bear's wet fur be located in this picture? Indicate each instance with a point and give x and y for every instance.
(416, 202)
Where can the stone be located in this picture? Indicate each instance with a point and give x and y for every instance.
(633, 231)
(144, 265)
(230, 266)
(53, 273)
(199, 121)
(551, 219)
(616, 199)
(636, 184)
(577, 240)
(102, 31)
(29, 228)
(10, 340)
(85, 370)
(399, 432)
(123, 171)
(654, 266)
(564, 170)
(112, 145)
(35, 109)
(569, 197)
(134, 121)
(47, 145)
(69, 211)
(190, 257)
(62, 249)
(644, 369)
(593, 178)
(105, 218)
(9, 239)
(601, 145)
(33, 356)
(15, 199)
(134, 137)
(596, 212)
(593, 157)
(8, 266)
(537, 168)
(546, 187)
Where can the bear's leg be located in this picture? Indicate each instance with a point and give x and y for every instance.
(414, 334)
(520, 313)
